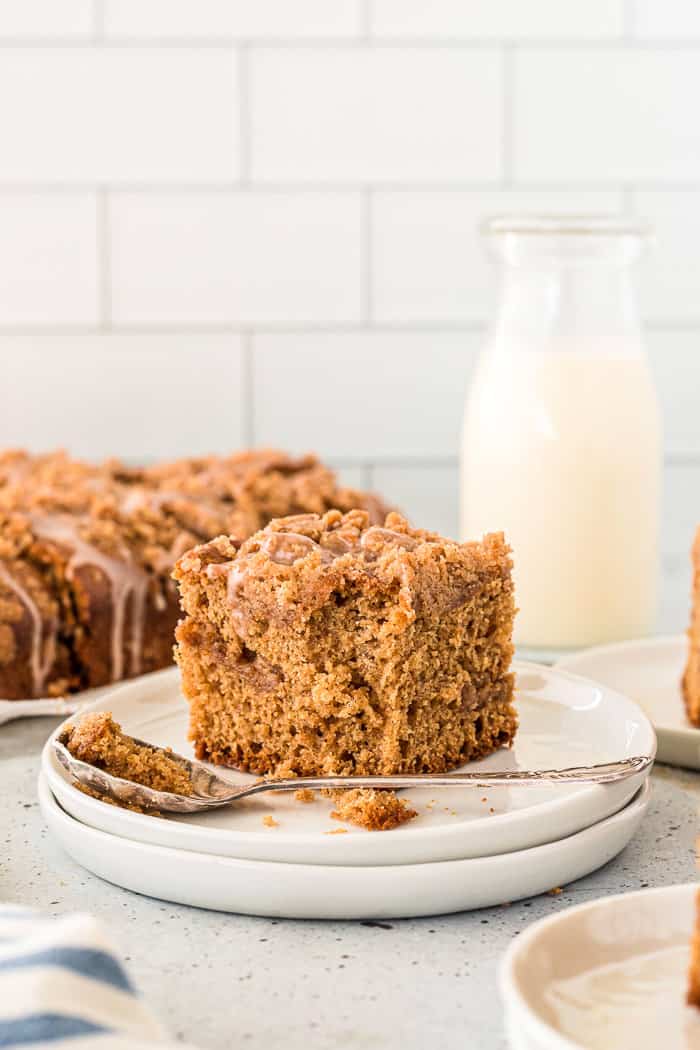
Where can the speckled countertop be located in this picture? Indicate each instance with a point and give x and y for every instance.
(223, 981)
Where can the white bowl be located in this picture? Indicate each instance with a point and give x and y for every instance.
(610, 975)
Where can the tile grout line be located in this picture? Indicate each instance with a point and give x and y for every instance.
(343, 188)
(244, 113)
(365, 21)
(98, 21)
(629, 26)
(104, 261)
(310, 328)
(690, 458)
(409, 43)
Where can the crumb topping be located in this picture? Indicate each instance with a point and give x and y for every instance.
(87, 549)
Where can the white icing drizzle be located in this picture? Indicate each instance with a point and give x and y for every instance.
(126, 580)
(139, 498)
(43, 646)
(284, 548)
(377, 536)
(235, 576)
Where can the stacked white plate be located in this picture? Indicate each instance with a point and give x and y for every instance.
(468, 848)
(650, 671)
(609, 974)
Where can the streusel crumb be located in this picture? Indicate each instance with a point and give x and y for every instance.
(373, 810)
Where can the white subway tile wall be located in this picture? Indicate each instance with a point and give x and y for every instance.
(145, 395)
(230, 222)
(54, 19)
(498, 19)
(49, 261)
(235, 256)
(350, 114)
(605, 114)
(100, 114)
(428, 262)
(233, 19)
(356, 393)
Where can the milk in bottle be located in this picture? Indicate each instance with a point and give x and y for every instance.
(561, 442)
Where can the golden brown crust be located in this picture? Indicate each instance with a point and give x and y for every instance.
(691, 676)
(325, 645)
(86, 552)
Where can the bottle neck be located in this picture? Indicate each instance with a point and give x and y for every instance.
(570, 309)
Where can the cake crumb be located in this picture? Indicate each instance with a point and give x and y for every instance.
(305, 795)
(98, 740)
(371, 809)
(555, 891)
(269, 821)
(336, 831)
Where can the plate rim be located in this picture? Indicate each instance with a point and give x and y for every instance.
(661, 641)
(509, 987)
(340, 844)
(639, 802)
(233, 886)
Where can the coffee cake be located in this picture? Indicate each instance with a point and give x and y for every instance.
(691, 677)
(86, 552)
(326, 644)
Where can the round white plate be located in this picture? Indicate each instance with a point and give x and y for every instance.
(649, 671)
(565, 721)
(610, 974)
(303, 891)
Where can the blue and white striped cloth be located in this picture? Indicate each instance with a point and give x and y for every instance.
(62, 986)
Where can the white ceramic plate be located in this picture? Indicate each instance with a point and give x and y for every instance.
(649, 671)
(303, 891)
(565, 721)
(610, 975)
(40, 707)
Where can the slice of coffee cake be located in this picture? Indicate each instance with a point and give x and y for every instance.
(693, 988)
(324, 644)
(691, 677)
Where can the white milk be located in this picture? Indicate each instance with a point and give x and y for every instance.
(561, 451)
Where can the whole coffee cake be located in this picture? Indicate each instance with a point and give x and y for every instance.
(86, 553)
(691, 677)
(327, 644)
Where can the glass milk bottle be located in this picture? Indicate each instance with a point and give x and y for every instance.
(562, 439)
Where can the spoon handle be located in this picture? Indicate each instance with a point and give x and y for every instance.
(605, 773)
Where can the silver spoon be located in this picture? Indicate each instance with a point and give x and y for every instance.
(211, 791)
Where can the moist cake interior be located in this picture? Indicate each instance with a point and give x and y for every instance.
(324, 644)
